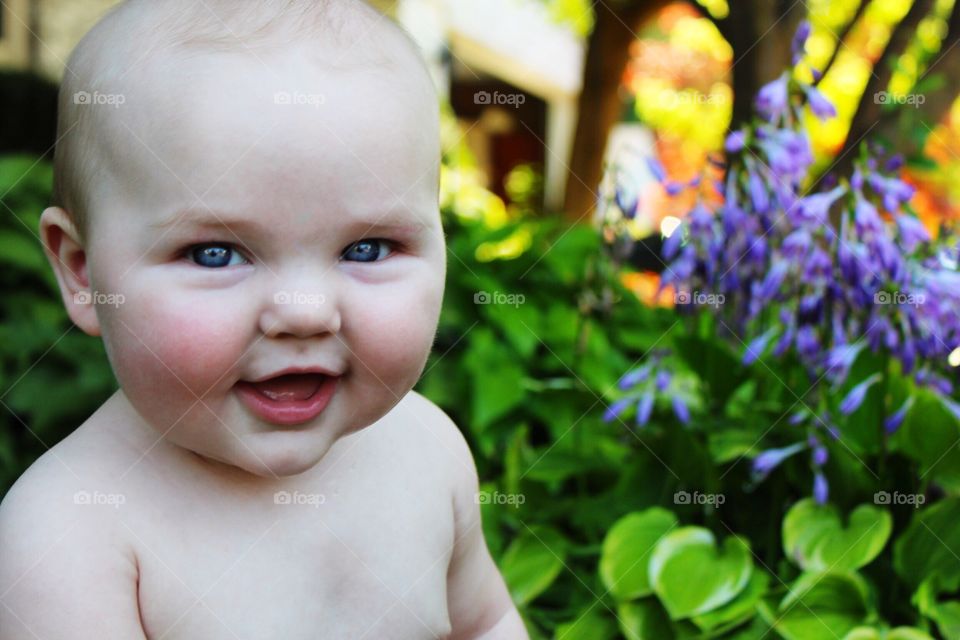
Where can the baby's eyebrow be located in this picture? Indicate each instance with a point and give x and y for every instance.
(391, 221)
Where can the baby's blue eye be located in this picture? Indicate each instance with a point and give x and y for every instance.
(215, 256)
(367, 251)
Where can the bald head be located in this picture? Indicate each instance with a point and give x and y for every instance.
(142, 40)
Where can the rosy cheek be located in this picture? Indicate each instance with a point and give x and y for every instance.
(195, 343)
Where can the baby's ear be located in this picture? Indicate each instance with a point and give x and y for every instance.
(67, 256)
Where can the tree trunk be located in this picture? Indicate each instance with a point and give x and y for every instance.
(608, 51)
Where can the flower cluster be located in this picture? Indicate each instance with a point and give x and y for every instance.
(818, 274)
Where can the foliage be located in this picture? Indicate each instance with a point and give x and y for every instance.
(53, 375)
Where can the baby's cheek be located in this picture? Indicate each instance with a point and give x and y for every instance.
(396, 333)
(187, 347)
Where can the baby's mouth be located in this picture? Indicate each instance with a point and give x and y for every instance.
(290, 387)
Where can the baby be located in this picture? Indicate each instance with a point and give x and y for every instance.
(247, 214)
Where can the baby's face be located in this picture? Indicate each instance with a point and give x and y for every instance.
(263, 215)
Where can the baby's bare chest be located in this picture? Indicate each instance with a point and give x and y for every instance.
(348, 562)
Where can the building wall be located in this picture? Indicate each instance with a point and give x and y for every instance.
(61, 24)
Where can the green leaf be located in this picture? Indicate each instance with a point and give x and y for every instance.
(19, 250)
(900, 633)
(947, 617)
(691, 577)
(532, 562)
(497, 378)
(644, 620)
(627, 550)
(815, 538)
(930, 546)
(590, 624)
(741, 608)
(928, 435)
(822, 605)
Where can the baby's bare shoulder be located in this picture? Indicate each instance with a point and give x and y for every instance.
(432, 429)
(60, 537)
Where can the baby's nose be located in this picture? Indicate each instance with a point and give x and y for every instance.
(302, 311)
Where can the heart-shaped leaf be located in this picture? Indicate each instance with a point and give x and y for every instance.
(644, 620)
(691, 577)
(627, 550)
(532, 562)
(741, 608)
(815, 538)
(929, 547)
(821, 605)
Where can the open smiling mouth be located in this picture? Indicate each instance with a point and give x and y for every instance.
(288, 399)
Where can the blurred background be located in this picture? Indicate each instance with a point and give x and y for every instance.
(700, 326)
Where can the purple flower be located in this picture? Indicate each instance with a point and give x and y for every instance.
(770, 459)
(680, 409)
(757, 346)
(674, 188)
(656, 169)
(635, 377)
(799, 40)
(821, 490)
(895, 419)
(772, 99)
(773, 281)
(816, 208)
(644, 409)
(663, 379)
(759, 195)
(735, 141)
(912, 232)
(613, 411)
(855, 397)
(672, 244)
(627, 201)
(867, 218)
(822, 108)
(819, 455)
(807, 342)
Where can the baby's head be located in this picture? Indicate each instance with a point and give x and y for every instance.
(245, 188)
